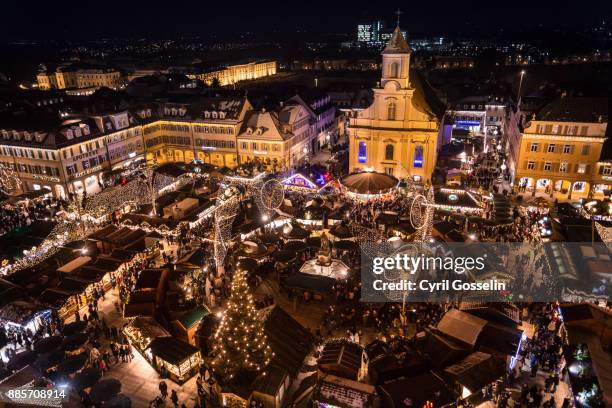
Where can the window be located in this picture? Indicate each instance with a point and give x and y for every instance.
(534, 147)
(582, 168)
(245, 146)
(606, 171)
(547, 166)
(391, 111)
(418, 157)
(389, 152)
(362, 155)
(579, 186)
(563, 167)
(585, 149)
(394, 70)
(389, 170)
(530, 165)
(551, 148)
(556, 129)
(71, 169)
(567, 149)
(254, 145)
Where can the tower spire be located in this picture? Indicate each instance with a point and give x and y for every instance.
(397, 13)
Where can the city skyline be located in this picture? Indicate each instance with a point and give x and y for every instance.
(157, 20)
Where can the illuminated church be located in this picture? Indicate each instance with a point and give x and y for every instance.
(398, 134)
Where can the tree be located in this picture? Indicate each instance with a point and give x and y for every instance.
(215, 83)
(241, 346)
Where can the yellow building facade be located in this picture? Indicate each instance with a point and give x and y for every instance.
(398, 133)
(558, 151)
(236, 73)
(71, 78)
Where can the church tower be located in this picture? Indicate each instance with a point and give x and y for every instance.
(396, 60)
(397, 134)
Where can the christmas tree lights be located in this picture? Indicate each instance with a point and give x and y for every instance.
(241, 346)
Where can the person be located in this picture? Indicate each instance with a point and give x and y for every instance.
(174, 398)
(163, 389)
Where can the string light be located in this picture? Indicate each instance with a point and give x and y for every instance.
(9, 179)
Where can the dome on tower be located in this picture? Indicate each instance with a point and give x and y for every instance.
(397, 44)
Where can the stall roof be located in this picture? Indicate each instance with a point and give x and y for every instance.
(498, 338)
(341, 358)
(172, 350)
(462, 326)
(418, 390)
(192, 317)
(288, 339)
(270, 383)
(74, 264)
(475, 371)
(121, 255)
(139, 309)
(53, 298)
(101, 234)
(148, 327)
(149, 278)
(307, 281)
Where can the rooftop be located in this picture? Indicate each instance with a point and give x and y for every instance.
(575, 109)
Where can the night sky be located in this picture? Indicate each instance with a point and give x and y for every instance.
(85, 19)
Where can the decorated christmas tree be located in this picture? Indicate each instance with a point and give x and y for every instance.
(241, 346)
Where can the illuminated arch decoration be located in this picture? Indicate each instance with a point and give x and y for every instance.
(299, 182)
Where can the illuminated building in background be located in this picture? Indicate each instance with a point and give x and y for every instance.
(80, 77)
(369, 33)
(398, 133)
(232, 74)
(558, 151)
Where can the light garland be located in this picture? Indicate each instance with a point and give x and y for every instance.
(9, 179)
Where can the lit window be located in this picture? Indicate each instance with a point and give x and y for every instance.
(585, 149)
(389, 152)
(418, 157)
(362, 155)
(579, 186)
(391, 111)
(563, 167)
(581, 168)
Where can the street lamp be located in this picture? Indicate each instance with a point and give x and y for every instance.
(593, 212)
(518, 97)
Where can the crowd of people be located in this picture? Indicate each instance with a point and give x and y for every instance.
(24, 213)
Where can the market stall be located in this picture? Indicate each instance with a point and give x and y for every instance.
(179, 359)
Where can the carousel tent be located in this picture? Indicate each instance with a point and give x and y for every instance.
(369, 183)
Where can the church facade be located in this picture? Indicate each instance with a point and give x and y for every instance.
(398, 134)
